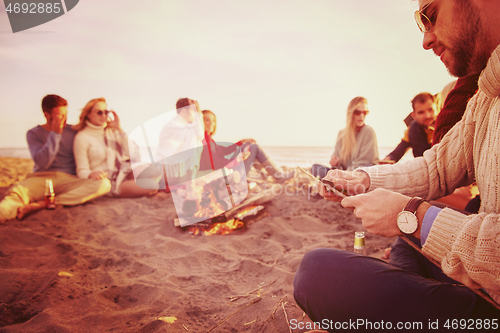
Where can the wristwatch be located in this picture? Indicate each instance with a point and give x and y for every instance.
(407, 219)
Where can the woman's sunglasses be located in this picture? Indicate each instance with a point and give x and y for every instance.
(358, 112)
(106, 112)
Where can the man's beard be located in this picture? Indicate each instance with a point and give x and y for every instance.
(469, 58)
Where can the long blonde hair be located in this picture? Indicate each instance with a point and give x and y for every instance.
(349, 132)
(85, 112)
(215, 120)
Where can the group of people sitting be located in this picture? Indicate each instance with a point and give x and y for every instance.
(92, 158)
(356, 144)
(431, 117)
(444, 269)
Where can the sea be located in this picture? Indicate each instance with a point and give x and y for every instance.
(282, 156)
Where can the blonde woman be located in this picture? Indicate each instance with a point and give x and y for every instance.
(356, 144)
(101, 151)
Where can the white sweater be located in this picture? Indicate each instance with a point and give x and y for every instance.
(91, 152)
(468, 247)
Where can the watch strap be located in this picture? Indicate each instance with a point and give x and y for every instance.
(413, 204)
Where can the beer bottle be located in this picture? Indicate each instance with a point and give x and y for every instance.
(50, 196)
(359, 243)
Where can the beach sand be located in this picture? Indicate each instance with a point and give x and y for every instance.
(121, 265)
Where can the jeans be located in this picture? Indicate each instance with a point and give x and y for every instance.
(256, 154)
(334, 286)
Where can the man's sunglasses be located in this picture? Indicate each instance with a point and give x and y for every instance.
(358, 112)
(423, 21)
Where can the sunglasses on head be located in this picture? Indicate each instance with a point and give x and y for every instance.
(358, 112)
(106, 112)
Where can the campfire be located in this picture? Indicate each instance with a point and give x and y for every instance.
(219, 225)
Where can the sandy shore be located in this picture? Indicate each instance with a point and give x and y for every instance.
(121, 265)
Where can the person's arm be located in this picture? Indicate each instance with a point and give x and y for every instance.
(80, 150)
(368, 149)
(43, 153)
(335, 158)
(466, 246)
(441, 169)
(398, 152)
(418, 139)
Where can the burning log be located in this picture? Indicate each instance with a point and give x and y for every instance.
(231, 213)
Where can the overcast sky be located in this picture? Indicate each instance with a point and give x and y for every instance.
(279, 71)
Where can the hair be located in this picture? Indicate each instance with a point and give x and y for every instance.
(183, 102)
(215, 118)
(52, 101)
(421, 98)
(85, 112)
(349, 133)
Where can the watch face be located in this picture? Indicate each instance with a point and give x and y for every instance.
(407, 222)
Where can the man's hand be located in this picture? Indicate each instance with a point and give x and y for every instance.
(99, 174)
(57, 123)
(378, 210)
(334, 161)
(350, 182)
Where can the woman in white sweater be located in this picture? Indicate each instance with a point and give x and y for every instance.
(101, 150)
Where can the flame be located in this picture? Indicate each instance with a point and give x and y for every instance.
(223, 228)
(207, 205)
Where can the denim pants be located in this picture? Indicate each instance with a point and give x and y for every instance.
(256, 154)
(336, 287)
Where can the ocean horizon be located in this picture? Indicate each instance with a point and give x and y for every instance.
(282, 155)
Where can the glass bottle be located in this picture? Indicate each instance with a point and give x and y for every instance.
(50, 196)
(359, 243)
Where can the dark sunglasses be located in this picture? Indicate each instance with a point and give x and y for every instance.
(358, 112)
(100, 112)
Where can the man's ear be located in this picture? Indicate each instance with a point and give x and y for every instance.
(412, 115)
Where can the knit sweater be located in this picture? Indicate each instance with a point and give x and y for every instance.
(466, 246)
(364, 154)
(91, 152)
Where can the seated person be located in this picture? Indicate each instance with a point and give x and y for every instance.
(213, 157)
(356, 144)
(181, 143)
(101, 151)
(418, 136)
(463, 198)
(454, 106)
(51, 147)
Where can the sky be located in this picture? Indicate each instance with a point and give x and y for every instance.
(279, 71)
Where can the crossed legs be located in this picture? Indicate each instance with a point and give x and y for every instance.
(340, 286)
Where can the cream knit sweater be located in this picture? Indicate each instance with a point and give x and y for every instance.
(468, 247)
(91, 152)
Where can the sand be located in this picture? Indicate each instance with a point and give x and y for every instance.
(120, 265)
